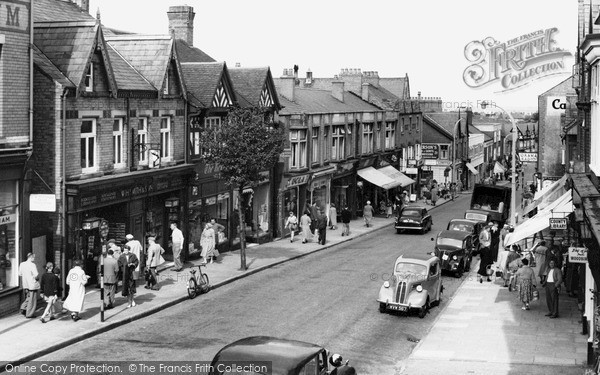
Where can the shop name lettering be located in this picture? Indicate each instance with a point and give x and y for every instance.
(130, 192)
(515, 63)
(12, 15)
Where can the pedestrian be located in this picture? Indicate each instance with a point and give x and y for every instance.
(552, 285)
(485, 241)
(50, 287)
(503, 233)
(219, 233)
(305, 225)
(510, 266)
(540, 253)
(117, 250)
(207, 242)
(292, 224)
(390, 209)
(313, 217)
(346, 216)
(526, 281)
(155, 252)
(459, 186)
(137, 249)
(30, 278)
(322, 227)
(368, 213)
(111, 277)
(127, 263)
(177, 244)
(495, 236)
(333, 216)
(76, 280)
(434, 194)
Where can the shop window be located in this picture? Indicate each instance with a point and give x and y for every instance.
(444, 152)
(298, 145)
(142, 139)
(367, 139)
(9, 211)
(88, 146)
(118, 143)
(315, 146)
(390, 135)
(165, 138)
(338, 142)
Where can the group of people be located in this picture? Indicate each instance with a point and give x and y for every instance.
(314, 223)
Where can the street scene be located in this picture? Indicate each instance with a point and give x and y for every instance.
(275, 188)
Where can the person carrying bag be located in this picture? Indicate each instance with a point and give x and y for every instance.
(292, 224)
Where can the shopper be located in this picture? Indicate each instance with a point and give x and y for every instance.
(177, 243)
(111, 277)
(155, 252)
(368, 214)
(207, 242)
(552, 285)
(76, 280)
(305, 224)
(525, 277)
(219, 233)
(50, 288)
(137, 249)
(346, 216)
(292, 224)
(128, 262)
(333, 217)
(29, 274)
(485, 240)
(322, 227)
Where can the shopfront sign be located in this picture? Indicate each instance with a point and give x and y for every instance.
(14, 16)
(558, 223)
(42, 202)
(430, 151)
(297, 180)
(412, 170)
(7, 219)
(317, 184)
(528, 156)
(578, 255)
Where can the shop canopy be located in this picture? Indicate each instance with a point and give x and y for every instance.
(472, 168)
(560, 208)
(547, 195)
(378, 178)
(396, 175)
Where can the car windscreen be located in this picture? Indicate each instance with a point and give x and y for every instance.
(474, 216)
(411, 268)
(449, 242)
(411, 213)
(461, 227)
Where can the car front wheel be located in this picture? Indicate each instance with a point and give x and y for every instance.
(381, 307)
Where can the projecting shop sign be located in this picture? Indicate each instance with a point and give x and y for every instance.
(528, 156)
(578, 255)
(558, 223)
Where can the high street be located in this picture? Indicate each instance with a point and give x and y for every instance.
(326, 298)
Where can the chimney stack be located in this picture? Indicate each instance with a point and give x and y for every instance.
(84, 5)
(337, 90)
(364, 94)
(286, 87)
(181, 23)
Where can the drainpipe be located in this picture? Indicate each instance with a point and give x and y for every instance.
(63, 186)
(31, 75)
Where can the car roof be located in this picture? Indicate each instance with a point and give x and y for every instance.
(414, 207)
(286, 356)
(454, 234)
(416, 258)
(465, 221)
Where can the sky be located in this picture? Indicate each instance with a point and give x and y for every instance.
(425, 40)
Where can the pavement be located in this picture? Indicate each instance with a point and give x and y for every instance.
(482, 329)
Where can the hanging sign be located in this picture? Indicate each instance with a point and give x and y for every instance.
(558, 223)
(42, 202)
(578, 255)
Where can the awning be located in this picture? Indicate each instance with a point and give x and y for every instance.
(472, 168)
(540, 221)
(498, 168)
(547, 195)
(397, 176)
(375, 177)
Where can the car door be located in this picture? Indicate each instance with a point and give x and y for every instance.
(426, 217)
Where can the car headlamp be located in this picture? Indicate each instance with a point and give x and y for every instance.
(419, 288)
(455, 257)
(386, 284)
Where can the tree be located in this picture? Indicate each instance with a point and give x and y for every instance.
(246, 144)
(535, 117)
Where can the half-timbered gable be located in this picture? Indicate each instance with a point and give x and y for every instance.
(255, 87)
(209, 85)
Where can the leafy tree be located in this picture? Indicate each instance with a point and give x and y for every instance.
(535, 117)
(246, 144)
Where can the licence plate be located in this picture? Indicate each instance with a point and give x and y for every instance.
(445, 257)
(396, 307)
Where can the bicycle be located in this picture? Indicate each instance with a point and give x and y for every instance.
(198, 282)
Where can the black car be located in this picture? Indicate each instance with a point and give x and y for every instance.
(414, 218)
(473, 227)
(454, 248)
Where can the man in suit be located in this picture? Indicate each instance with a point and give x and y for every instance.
(111, 270)
(322, 227)
(552, 284)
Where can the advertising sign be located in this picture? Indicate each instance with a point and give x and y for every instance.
(528, 156)
(42, 202)
(430, 151)
(578, 255)
(558, 223)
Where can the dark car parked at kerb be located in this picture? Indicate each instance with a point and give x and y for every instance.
(454, 248)
(414, 218)
(473, 227)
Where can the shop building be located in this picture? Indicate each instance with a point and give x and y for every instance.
(16, 145)
(436, 152)
(112, 136)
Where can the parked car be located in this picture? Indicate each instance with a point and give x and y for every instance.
(414, 218)
(454, 249)
(286, 357)
(473, 227)
(415, 285)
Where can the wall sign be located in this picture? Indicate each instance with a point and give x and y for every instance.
(558, 223)
(578, 255)
(297, 180)
(430, 151)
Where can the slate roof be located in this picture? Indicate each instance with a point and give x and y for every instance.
(68, 45)
(381, 97)
(437, 126)
(48, 68)
(189, 53)
(126, 76)
(448, 119)
(248, 84)
(321, 101)
(398, 86)
(202, 80)
(57, 11)
(148, 54)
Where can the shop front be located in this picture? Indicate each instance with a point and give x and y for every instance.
(318, 191)
(257, 208)
(141, 203)
(343, 187)
(292, 199)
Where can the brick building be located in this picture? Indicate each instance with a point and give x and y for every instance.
(16, 145)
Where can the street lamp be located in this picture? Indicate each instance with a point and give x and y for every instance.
(513, 193)
(454, 157)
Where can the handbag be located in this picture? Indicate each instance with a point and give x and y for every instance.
(536, 295)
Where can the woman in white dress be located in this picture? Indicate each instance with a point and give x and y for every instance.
(76, 279)
(292, 224)
(207, 241)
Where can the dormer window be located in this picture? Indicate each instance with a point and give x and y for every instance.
(89, 79)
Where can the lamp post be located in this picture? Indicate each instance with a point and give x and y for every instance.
(513, 193)
(454, 157)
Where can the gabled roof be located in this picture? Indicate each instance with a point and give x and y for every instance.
(322, 101)
(437, 127)
(249, 84)
(126, 76)
(399, 86)
(203, 79)
(189, 53)
(58, 11)
(148, 54)
(447, 120)
(48, 68)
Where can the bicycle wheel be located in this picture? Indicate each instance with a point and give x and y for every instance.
(205, 287)
(205, 278)
(192, 288)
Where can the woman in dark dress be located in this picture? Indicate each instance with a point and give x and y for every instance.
(128, 262)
